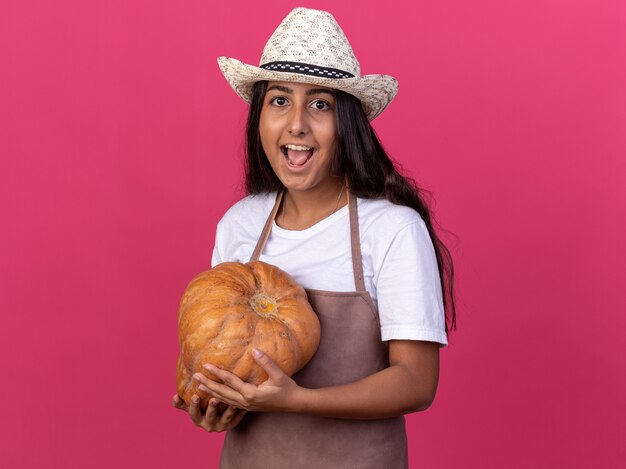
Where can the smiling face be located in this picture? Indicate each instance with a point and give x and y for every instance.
(297, 128)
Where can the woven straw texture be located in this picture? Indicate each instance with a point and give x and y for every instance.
(313, 39)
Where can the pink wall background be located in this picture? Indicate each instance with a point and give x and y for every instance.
(120, 148)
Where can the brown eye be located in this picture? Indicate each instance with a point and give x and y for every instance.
(321, 105)
(278, 101)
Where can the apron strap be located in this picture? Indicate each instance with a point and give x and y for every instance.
(260, 244)
(355, 239)
(355, 242)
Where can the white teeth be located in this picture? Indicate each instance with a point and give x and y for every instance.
(297, 147)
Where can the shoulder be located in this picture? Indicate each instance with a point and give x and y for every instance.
(248, 209)
(381, 217)
(245, 218)
(394, 235)
(240, 227)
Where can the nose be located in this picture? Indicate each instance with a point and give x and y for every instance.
(297, 120)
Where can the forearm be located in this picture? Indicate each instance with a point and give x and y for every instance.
(407, 385)
(390, 392)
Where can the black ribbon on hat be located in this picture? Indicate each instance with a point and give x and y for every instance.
(306, 69)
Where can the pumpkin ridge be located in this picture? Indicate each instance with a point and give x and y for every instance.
(283, 364)
(295, 346)
(257, 280)
(233, 275)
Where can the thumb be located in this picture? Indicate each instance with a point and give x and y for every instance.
(272, 369)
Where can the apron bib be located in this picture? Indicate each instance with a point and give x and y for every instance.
(350, 349)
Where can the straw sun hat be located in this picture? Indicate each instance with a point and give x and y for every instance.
(310, 47)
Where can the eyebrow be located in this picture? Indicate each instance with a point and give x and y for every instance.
(309, 92)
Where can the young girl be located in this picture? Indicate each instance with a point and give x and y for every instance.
(326, 205)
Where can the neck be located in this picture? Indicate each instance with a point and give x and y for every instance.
(303, 209)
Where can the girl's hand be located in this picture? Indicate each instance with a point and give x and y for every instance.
(278, 393)
(211, 420)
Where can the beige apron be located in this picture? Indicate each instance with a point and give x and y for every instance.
(350, 349)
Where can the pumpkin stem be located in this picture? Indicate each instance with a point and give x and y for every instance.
(264, 305)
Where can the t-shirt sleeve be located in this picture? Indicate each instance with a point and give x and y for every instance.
(216, 259)
(409, 289)
(219, 234)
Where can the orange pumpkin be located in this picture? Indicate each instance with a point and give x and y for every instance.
(228, 311)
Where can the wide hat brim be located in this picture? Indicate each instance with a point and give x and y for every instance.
(374, 91)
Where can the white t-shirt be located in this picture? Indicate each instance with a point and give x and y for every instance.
(399, 263)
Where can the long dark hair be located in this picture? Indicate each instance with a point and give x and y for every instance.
(361, 160)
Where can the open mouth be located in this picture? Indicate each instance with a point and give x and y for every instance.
(297, 155)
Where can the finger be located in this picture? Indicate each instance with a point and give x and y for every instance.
(272, 369)
(226, 377)
(201, 378)
(194, 410)
(178, 402)
(236, 419)
(230, 418)
(224, 392)
(229, 414)
(211, 412)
